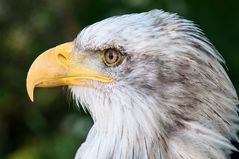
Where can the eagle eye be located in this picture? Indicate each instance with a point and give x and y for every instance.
(112, 57)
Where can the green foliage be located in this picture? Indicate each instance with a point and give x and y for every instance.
(51, 128)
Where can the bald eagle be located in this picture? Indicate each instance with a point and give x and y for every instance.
(153, 84)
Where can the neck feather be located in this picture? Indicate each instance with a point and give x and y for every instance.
(129, 129)
(141, 128)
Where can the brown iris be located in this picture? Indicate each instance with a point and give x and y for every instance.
(112, 57)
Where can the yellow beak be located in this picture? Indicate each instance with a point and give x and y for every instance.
(56, 67)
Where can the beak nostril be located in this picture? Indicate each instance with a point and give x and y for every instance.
(62, 58)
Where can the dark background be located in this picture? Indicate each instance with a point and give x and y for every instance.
(51, 127)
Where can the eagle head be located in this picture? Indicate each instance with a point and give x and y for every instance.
(153, 84)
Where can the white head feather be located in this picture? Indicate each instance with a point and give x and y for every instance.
(170, 98)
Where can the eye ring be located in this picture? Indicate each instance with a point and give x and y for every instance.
(112, 57)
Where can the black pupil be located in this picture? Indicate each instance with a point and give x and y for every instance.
(111, 55)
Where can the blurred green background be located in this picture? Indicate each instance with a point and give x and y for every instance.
(53, 127)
